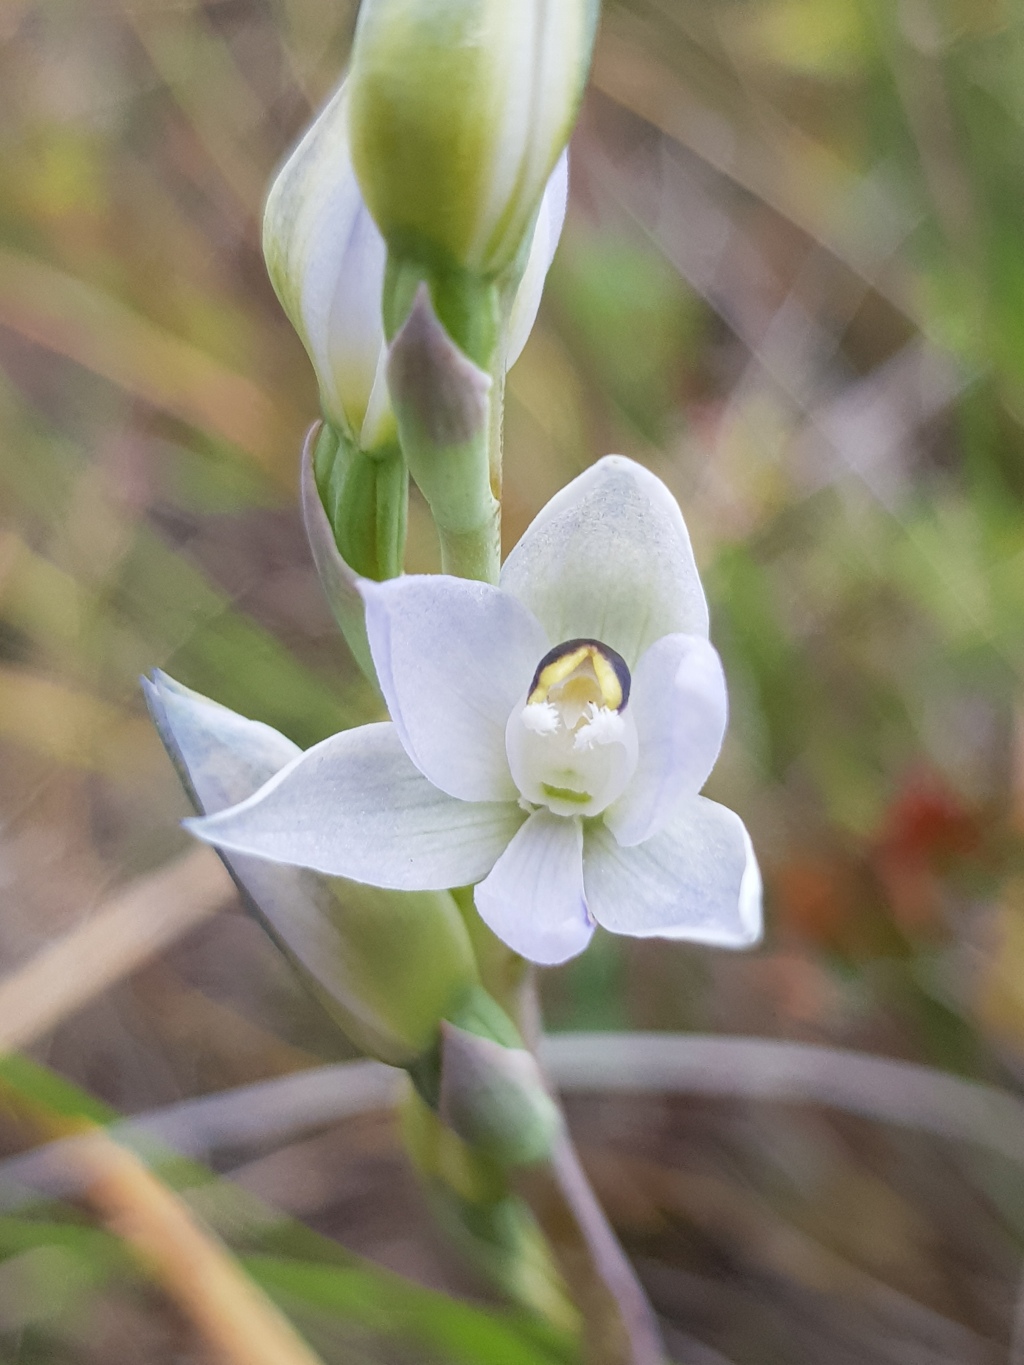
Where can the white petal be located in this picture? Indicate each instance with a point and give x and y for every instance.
(453, 658)
(354, 806)
(387, 1003)
(697, 879)
(326, 261)
(379, 426)
(680, 707)
(542, 252)
(533, 898)
(609, 559)
(354, 322)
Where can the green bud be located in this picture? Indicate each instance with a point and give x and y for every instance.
(339, 580)
(494, 1098)
(365, 497)
(471, 1197)
(459, 110)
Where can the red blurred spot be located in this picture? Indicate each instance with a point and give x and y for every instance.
(812, 897)
(926, 825)
(928, 820)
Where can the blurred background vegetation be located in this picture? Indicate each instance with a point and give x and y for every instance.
(792, 283)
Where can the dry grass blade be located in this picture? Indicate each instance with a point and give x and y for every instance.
(235, 1318)
(133, 927)
(619, 1326)
(880, 1088)
(70, 726)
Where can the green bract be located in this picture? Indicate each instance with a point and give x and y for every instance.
(459, 110)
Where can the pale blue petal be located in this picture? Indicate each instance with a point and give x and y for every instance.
(533, 899)
(355, 806)
(697, 879)
(609, 559)
(680, 707)
(453, 658)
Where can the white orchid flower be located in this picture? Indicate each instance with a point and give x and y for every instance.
(460, 110)
(549, 740)
(326, 261)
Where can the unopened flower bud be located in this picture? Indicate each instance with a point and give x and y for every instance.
(459, 112)
(494, 1098)
(326, 260)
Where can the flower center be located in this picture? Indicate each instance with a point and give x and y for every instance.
(572, 747)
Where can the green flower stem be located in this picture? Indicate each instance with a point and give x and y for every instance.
(473, 1200)
(495, 439)
(473, 554)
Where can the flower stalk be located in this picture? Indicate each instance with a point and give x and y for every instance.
(549, 740)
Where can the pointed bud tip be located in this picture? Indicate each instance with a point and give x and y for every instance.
(432, 382)
(494, 1098)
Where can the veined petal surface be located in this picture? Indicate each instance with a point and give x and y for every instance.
(609, 559)
(545, 51)
(355, 806)
(533, 898)
(680, 708)
(355, 324)
(696, 879)
(453, 658)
